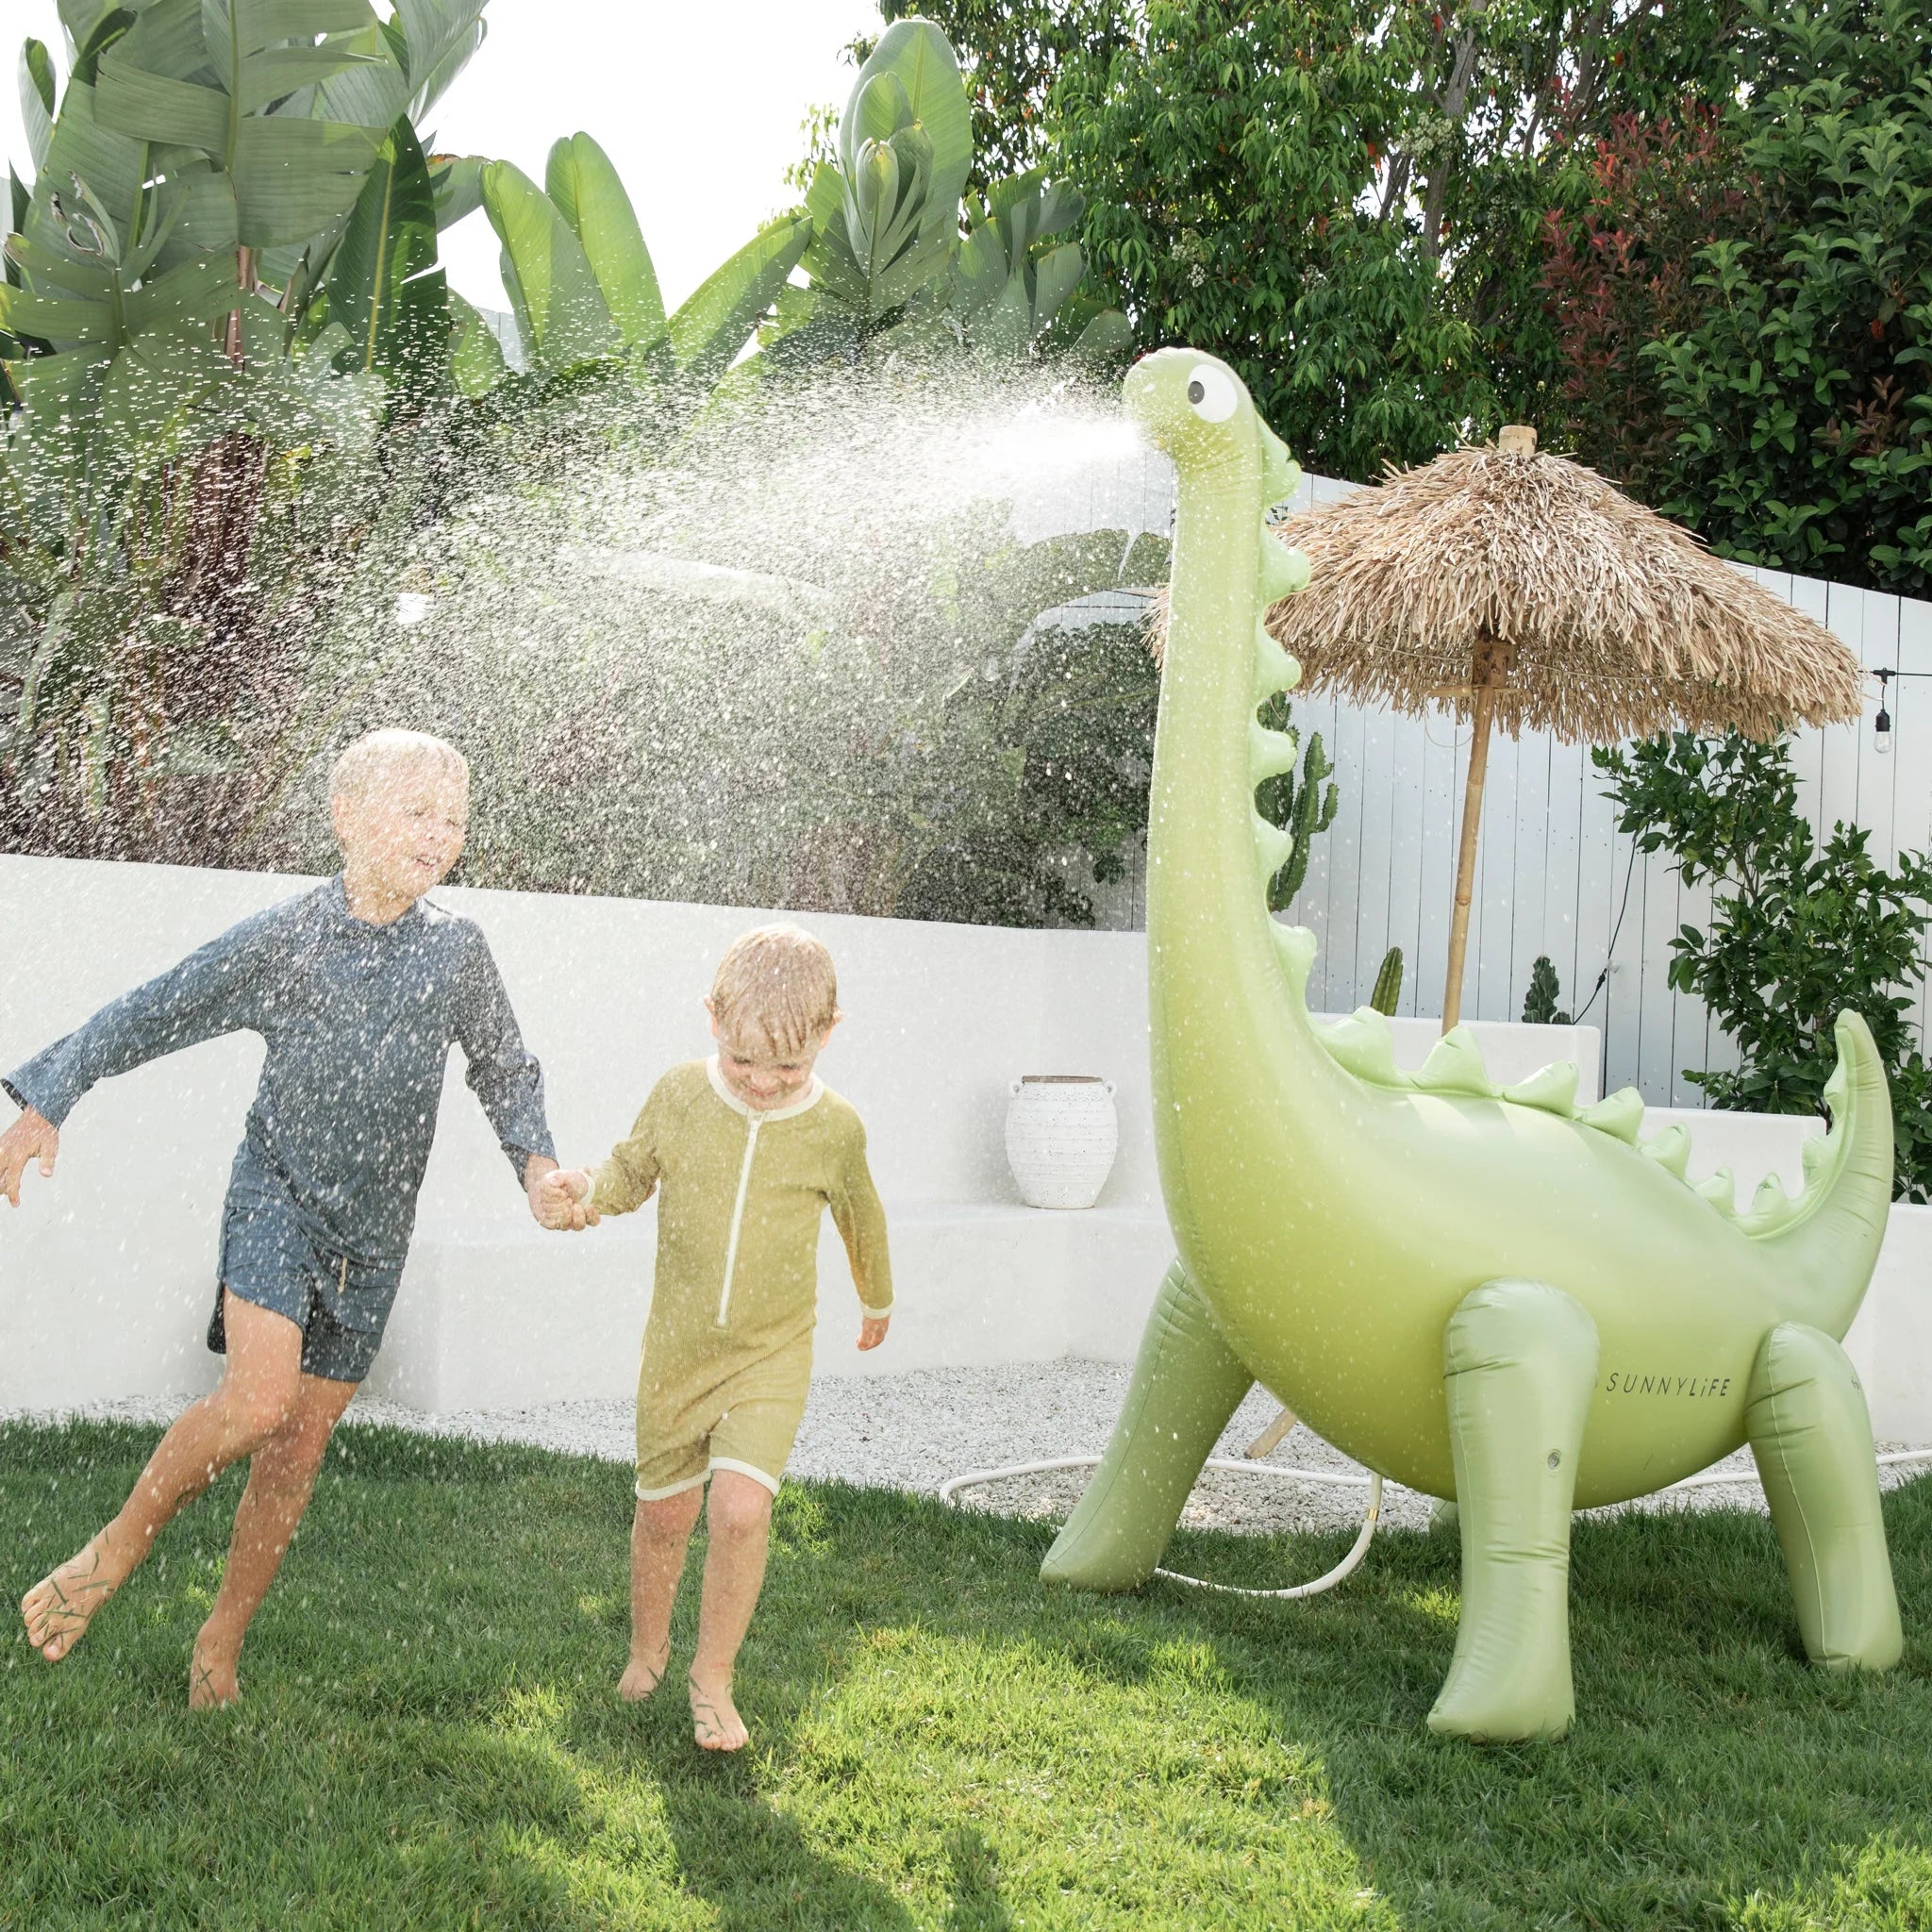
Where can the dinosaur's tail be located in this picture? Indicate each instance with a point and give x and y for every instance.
(1826, 1251)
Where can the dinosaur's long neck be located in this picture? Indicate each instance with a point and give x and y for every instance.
(1230, 1033)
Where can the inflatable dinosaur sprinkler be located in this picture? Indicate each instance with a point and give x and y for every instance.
(1490, 1296)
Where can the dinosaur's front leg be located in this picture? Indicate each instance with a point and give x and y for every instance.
(1811, 1435)
(1187, 1383)
(1519, 1366)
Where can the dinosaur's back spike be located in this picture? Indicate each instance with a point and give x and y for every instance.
(1621, 1115)
(1670, 1150)
(1283, 571)
(1552, 1088)
(1455, 1065)
(1297, 947)
(1721, 1190)
(1365, 1046)
(1771, 1207)
(1273, 847)
(1271, 753)
(1274, 669)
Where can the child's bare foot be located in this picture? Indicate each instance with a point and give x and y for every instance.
(642, 1674)
(58, 1610)
(211, 1677)
(715, 1721)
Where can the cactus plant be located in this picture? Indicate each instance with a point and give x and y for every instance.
(1540, 1003)
(1388, 991)
(1297, 804)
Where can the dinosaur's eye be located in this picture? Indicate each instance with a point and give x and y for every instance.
(1212, 393)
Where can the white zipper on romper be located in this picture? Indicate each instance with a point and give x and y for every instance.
(755, 1118)
(753, 1122)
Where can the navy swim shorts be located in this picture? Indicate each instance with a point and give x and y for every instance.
(268, 1260)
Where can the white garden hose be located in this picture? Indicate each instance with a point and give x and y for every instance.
(1334, 1479)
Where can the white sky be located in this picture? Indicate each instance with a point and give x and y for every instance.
(698, 106)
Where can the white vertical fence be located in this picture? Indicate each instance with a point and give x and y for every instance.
(1554, 877)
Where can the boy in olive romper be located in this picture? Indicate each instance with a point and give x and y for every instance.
(746, 1150)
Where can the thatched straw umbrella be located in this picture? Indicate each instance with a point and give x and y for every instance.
(1525, 589)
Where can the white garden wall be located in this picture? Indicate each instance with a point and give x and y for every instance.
(107, 1273)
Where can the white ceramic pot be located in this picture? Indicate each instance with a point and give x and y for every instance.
(1062, 1137)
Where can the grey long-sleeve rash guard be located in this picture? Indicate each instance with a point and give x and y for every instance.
(358, 1021)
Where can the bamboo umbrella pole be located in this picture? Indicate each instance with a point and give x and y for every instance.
(1490, 671)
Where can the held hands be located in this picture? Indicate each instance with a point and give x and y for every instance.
(872, 1330)
(31, 1136)
(561, 1197)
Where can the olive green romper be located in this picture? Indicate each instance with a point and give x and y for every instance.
(727, 1347)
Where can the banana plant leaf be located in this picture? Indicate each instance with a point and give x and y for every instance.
(37, 97)
(79, 19)
(707, 333)
(289, 400)
(806, 328)
(110, 166)
(204, 74)
(19, 201)
(371, 89)
(405, 64)
(585, 187)
(112, 320)
(475, 356)
(919, 59)
(384, 288)
(1105, 344)
(1029, 207)
(457, 182)
(155, 392)
(560, 312)
(1055, 275)
(53, 389)
(1011, 294)
(868, 250)
(442, 36)
(200, 199)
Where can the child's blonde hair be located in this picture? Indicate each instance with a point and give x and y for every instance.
(364, 764)
(775, 983)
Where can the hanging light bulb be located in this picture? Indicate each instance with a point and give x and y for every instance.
(1881, 725)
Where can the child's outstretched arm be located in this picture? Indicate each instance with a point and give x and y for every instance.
(504, 1076)
(625, 1182)
(580, 1197)
(214, 990)
(861, 1218)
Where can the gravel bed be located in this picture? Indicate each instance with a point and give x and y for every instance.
(913, 1432)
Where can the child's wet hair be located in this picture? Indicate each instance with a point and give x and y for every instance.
(776, 985)
(376, 754)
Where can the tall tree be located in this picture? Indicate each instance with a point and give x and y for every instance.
(1801, 394)
(1344, 197)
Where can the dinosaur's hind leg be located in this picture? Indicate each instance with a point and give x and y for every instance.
(1519, 1362)
(1187, 1383)
(1811, 1435)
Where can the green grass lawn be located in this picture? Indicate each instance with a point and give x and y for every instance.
(430, 1734)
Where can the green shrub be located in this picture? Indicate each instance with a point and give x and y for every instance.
(1799, 931)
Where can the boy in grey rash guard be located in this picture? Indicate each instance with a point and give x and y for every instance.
(359, 1019)
(358, 989)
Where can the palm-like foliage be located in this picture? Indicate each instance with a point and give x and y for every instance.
(582, 287)
(221, 281)
(888, 266)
